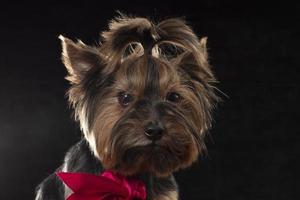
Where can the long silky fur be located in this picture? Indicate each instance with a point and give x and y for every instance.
(150, 60)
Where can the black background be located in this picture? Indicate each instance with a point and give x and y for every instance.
(253, 149)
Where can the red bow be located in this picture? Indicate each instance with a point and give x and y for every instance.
(107, 186)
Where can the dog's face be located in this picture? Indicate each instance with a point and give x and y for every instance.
(143, 97)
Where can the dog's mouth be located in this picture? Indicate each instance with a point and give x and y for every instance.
(150, 150)
(154, 146)
(152, 158)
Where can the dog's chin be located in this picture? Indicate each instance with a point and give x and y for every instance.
(150, 159)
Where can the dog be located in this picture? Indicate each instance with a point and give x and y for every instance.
(144, 99)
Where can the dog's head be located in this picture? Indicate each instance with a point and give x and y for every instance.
(143, 97)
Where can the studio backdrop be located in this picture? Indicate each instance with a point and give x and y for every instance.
(253, 48)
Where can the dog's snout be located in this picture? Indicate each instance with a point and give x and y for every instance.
(154, 131)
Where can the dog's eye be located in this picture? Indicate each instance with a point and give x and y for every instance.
(124, 98)
(173, 97)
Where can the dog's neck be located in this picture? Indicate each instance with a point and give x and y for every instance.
(80, 159)
(161, 188)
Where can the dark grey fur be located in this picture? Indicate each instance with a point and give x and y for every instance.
(80, 159)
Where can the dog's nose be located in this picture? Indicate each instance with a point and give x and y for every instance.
(153, 131)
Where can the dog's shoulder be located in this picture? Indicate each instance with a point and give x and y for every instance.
(50, 188)
(80, 158)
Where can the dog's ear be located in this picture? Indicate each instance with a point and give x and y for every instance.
(192, 50)
(196, 62)
(78, 58)
(203, 48)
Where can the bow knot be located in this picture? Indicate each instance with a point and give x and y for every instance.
(107, 186)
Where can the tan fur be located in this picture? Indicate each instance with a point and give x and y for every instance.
(130, 50)
(172, 195)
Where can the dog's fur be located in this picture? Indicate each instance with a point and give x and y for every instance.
(142, 73)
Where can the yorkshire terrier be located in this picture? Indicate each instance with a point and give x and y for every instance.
(144, 98)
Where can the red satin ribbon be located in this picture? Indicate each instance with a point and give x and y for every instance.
(107, 186)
